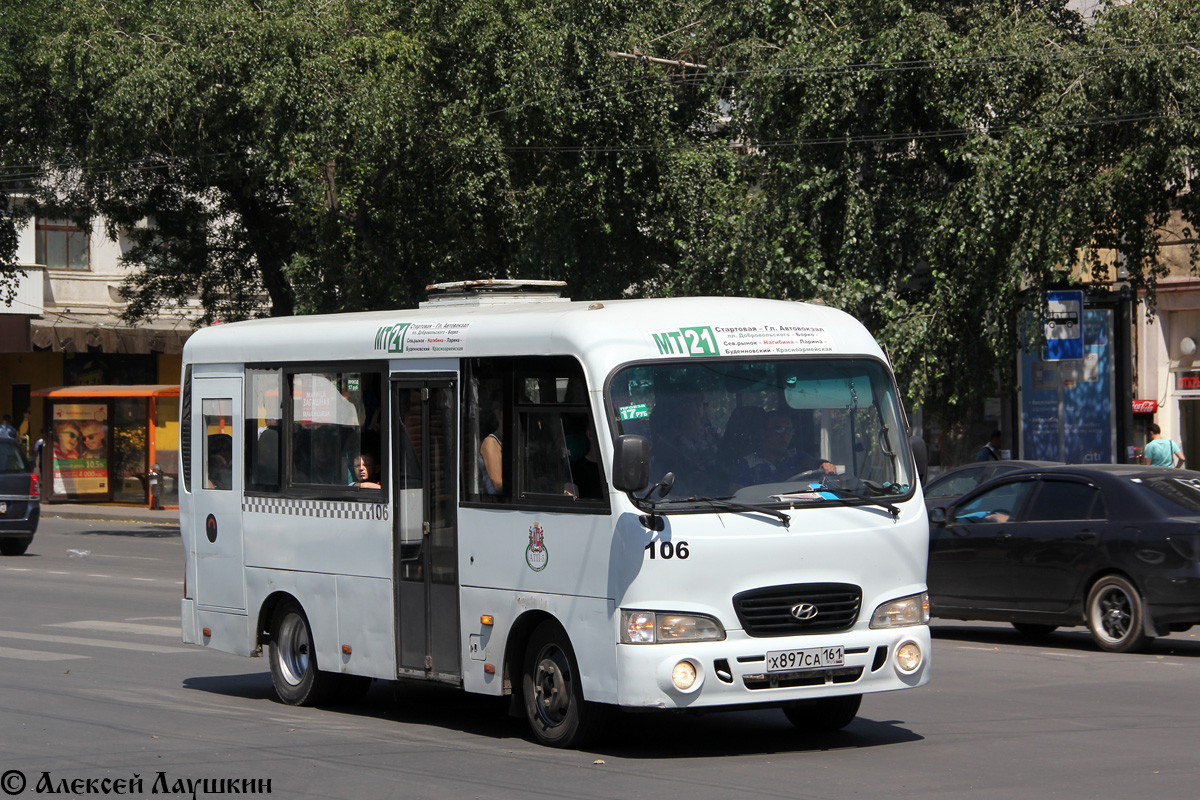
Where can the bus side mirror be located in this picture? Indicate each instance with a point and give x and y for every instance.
(631, 463)
(920, 455)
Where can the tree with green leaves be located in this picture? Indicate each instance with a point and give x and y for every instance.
(342, 155)
(928, 166)
(933, 167)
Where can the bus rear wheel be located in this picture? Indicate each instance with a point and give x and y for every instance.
(825, 714)
(553, 694)
(298, 681)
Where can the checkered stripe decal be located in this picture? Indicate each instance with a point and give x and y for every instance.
(328, 509)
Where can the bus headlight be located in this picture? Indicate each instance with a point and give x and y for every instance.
(908, 657)
(912, 610)
(684, 675)
(657, 627)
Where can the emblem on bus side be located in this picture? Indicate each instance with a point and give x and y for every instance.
(536, 555)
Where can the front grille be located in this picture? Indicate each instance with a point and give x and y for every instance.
(768, 612)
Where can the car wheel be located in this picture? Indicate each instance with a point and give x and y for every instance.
(294, 671)
(14, 547)
(824, 715)
(553, 694)
(1115, 616)
(1034, 630)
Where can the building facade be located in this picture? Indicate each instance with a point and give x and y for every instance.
(64, 328)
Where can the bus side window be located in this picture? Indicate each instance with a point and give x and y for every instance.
(333, 422)
(218, 444)
(535, 412)
(264, 416)
(545, 459)
(487, 421)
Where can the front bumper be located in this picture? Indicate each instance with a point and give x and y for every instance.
(734, 672)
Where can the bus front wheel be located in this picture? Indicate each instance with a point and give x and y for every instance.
(824, 714)
(554, 704)
(294, 671)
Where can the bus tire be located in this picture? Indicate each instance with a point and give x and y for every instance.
(553, 694)
(1115, 615)
(298, 681)
(825, 714)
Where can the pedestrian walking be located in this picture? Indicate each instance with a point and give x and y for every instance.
(1162, 452)
(991, 450)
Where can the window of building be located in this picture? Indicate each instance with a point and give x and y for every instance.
(60, 244)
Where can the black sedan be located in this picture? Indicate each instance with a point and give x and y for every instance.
(1113, 547)
(20, 499)
(952, 484)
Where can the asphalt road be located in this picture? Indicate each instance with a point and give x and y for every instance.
(95, 685)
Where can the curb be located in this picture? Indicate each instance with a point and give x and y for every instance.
(110, 514)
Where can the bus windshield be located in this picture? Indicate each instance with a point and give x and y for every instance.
(767, 431)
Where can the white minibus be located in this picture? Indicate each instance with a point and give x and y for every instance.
(688, 503)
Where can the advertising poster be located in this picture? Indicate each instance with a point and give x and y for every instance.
(1067, 406)
(80, 448)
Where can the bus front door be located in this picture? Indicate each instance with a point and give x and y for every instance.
(424, 457)
(217, 448)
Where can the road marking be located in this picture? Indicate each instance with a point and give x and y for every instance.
(18, 569)
(146, 580)
(124, 558)
(96, 575)
(142, 648)
(35, 655)
(52, 572)
(117, 627)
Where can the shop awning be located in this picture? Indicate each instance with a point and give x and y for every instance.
(135, 390)
(75, 332)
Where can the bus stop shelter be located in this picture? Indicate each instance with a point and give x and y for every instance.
(117, 444)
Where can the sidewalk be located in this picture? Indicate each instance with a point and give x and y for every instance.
(109, 512)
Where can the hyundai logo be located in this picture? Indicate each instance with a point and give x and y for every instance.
(804, 611)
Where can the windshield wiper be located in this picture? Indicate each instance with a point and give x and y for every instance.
(735, 505)
(846, 494)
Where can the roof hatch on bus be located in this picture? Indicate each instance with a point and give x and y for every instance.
(494, 292)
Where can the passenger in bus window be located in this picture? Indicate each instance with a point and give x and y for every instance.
(490, 468)
(366, 471)
(220, 461)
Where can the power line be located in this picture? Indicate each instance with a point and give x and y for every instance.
(882, 137)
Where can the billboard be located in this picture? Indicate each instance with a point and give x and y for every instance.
(80, 444)
(1068, 409)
